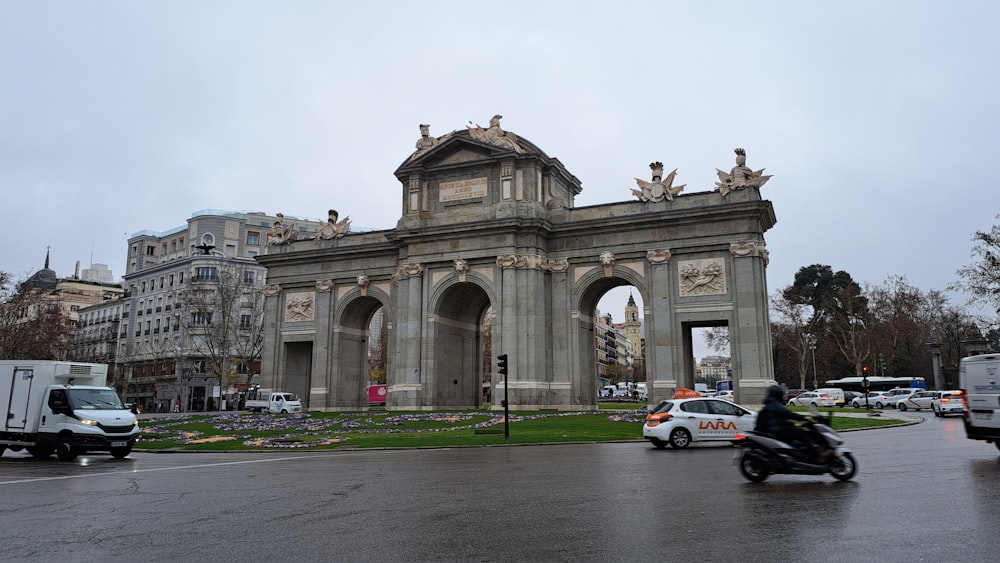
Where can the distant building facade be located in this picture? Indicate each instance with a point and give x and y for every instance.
(160, 331)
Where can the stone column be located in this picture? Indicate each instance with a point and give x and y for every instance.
(322, 373)
(662, 351)
(407, 387)
(271, 355)
(750, 339)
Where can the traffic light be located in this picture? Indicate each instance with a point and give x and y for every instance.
(502, 364)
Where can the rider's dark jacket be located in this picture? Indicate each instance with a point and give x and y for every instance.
(775, 418)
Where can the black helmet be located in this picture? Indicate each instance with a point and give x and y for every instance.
(776, 391)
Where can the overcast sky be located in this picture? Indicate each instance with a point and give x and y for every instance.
(878, 120)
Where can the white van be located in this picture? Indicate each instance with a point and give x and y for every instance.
(835, 392)
(979, 379)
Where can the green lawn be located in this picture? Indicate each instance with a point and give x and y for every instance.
(382, 429)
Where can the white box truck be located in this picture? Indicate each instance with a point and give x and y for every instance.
(979, 378)
(64, 408)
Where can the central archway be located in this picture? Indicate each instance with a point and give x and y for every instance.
(455, 367)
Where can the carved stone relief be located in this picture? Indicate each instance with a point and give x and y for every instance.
(405, 271)
(608, 261)
(658, 255)
(702, 277)
(300, 306)
(324, 285)
(462, 268)
(271, 290)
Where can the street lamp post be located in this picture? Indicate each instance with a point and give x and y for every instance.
(811, 343)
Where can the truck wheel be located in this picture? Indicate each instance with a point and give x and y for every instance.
(283, 411)
(120, 453)
(40, 452)
(65, 450)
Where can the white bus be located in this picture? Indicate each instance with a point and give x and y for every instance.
(876, 383)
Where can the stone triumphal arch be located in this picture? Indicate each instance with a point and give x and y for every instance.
(489, 232)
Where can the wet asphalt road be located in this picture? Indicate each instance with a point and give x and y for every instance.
(923, 493)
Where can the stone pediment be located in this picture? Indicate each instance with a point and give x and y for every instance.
(459, 147)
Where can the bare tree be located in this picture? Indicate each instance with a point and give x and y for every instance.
(226, 313)
(32, 325)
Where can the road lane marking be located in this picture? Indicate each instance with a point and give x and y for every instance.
(134, 471)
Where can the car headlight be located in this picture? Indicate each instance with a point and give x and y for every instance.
(88, 422)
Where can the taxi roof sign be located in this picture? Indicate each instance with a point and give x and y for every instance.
(684, 393)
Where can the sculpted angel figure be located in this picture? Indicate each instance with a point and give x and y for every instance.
(741, 176)
(659, 189)
(333, 228)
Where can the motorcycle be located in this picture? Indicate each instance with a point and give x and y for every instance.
(761, 454)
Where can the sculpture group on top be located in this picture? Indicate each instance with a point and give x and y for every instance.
(660, 188)
(333, 227)
(741, 176)
(495, 136)
(281, 233)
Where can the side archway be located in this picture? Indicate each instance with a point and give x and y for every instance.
(347, 384)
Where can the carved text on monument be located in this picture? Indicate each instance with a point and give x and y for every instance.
(474, 188)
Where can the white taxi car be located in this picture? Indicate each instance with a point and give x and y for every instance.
(691, 418)
(813, 398)
(950, 402)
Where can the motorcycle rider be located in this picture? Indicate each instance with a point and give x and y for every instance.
(775, 419)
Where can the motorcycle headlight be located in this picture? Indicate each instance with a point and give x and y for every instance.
(88, 422)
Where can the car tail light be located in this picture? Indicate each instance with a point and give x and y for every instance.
(655, 419)
(965, 401)
(945, 400)
(740, 436)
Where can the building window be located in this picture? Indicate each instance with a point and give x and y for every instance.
(206, 273)
(253, 238)
(230, 250)
(171, 280)
(248, 276)
(201, 318)
(181, 277)
(245, 321)
(150, 250)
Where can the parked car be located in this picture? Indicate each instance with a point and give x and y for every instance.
(849, 397)
(815, 399)
(678, 422)
(792, 393)
(949, 402)
(837, 393)
(726, 395)
(893, 396)
(876, 400)
(920, 400)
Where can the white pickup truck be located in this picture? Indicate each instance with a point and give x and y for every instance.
(277, 402)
